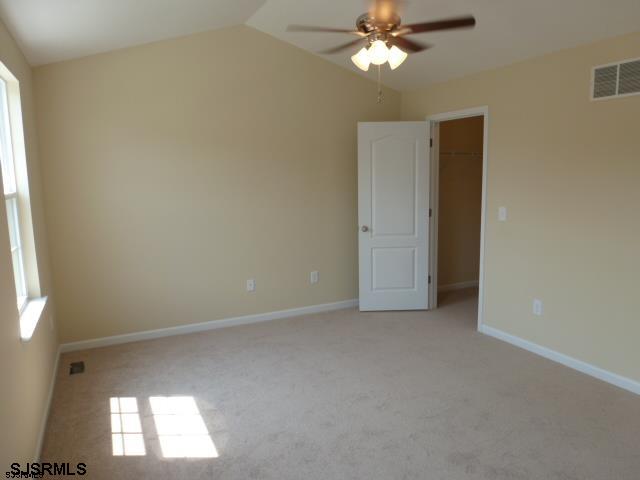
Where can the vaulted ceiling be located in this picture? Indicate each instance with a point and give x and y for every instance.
(507, 30)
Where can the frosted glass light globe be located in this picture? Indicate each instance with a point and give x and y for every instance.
(396, 57)
(378, 52)
(362, 60)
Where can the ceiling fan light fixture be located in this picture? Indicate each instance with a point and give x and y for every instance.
(396, 57)
(378, 52)
(362, 60)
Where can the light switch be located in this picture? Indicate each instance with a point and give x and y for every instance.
(502, 214)
(251, 285)
(537, 307)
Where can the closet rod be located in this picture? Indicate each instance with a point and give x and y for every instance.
(461, 153)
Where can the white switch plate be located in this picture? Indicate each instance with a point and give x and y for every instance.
(251, 285)
(314, 277)
(537, 307)
(502, 214)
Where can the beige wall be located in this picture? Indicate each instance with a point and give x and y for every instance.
(177, 170)
(26, 372)
(569, 172)
(460, 200)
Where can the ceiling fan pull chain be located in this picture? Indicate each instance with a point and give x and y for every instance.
(379, 85)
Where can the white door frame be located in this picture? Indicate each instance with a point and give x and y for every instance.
(433, 122)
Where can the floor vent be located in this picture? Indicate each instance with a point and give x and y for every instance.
(76, 367)
(620, 79)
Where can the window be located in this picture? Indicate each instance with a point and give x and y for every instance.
(15, 188)
(11, 197)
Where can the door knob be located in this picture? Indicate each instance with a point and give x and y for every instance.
(365, 228)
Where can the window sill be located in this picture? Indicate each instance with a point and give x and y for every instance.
(30, 317)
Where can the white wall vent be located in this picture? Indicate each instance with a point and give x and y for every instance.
(620, 79)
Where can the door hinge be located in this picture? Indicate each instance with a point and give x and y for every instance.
(431, 142)
(430, 213)
(429, 279)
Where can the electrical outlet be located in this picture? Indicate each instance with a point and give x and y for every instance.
(251, 285)
(537, 307)
(314, 277)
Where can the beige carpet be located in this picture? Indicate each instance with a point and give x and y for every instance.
(347, 395)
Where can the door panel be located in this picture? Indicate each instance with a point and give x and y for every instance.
(393, 186)
(394, 268)
(393, 209)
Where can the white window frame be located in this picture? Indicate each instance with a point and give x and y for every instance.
(10, 191)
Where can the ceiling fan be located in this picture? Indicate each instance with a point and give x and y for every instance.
(384, 34)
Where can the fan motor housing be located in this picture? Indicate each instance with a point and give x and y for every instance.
(367, 24)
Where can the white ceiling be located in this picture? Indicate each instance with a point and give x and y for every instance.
(53, 30)
(507, 30)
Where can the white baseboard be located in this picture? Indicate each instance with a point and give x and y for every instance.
(201, 327)
(597, 372)
(45, 417)
(457, 286)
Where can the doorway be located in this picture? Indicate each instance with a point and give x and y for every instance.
(458, 201)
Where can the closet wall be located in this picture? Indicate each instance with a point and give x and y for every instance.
(460, 202)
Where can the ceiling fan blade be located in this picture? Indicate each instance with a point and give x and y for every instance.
(407, 45)
(313, 29)
(446, 24)
(340, 48)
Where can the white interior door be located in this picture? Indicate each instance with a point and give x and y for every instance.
(393, 213)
